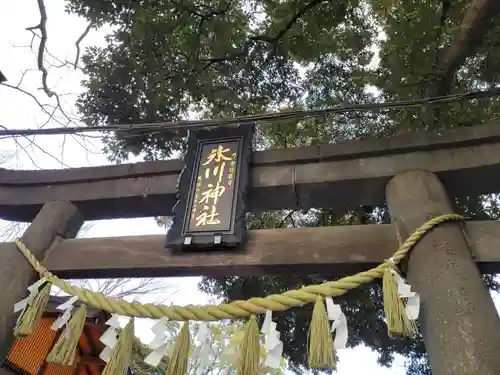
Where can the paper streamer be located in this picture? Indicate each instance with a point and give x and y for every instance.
(23, 304)
(203, 352)
(62, 320)
(159, 344)
(412, 307)
(109, 337)
(272, 343)
(67, 307)
(339, 323)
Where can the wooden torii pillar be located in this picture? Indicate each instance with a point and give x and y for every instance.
(458, 319)
(56, 221)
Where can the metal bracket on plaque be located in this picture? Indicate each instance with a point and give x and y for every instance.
(217, 239)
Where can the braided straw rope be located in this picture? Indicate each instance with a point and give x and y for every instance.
(235, 309)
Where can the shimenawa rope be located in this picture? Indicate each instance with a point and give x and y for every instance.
(235, 309)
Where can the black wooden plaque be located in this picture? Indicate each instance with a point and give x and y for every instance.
(212, 190)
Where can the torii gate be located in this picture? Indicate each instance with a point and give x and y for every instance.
(415, 174)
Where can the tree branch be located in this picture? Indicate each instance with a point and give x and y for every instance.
(272, 40)
(302, 11)
(299, 14)
(42, 26)
(288, 216)
(474, 26)
(79, 40)
(42, 106)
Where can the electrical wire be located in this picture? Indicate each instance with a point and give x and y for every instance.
(268, 117)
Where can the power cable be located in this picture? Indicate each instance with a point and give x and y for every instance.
(268, 117)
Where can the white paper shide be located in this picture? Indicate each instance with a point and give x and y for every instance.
(109, 338)
(272, 343)
(339, 323)
(412, 298)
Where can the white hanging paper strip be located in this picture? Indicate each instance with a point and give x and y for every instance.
(63, 319)
(159, 344)
(105, 355)
(404, 291)
(69, 303)
(341, 335)
(266, 325)
(203, 333)
(159, 331)
(272, 343)
(333, 310)
(33, 290)
(273, 359)
(413, 307)
(160, 326)
(154, 358)
(114, 321)
(273, 337)
(109, 337)
(203, 352)
(339, 323)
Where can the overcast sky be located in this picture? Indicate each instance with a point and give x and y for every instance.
(18, 110)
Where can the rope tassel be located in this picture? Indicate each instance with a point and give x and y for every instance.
(394, 307)
(63, 352)
(120, 357)
(250, 349)
(29, 318)
(178, 362)
(321, 353)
